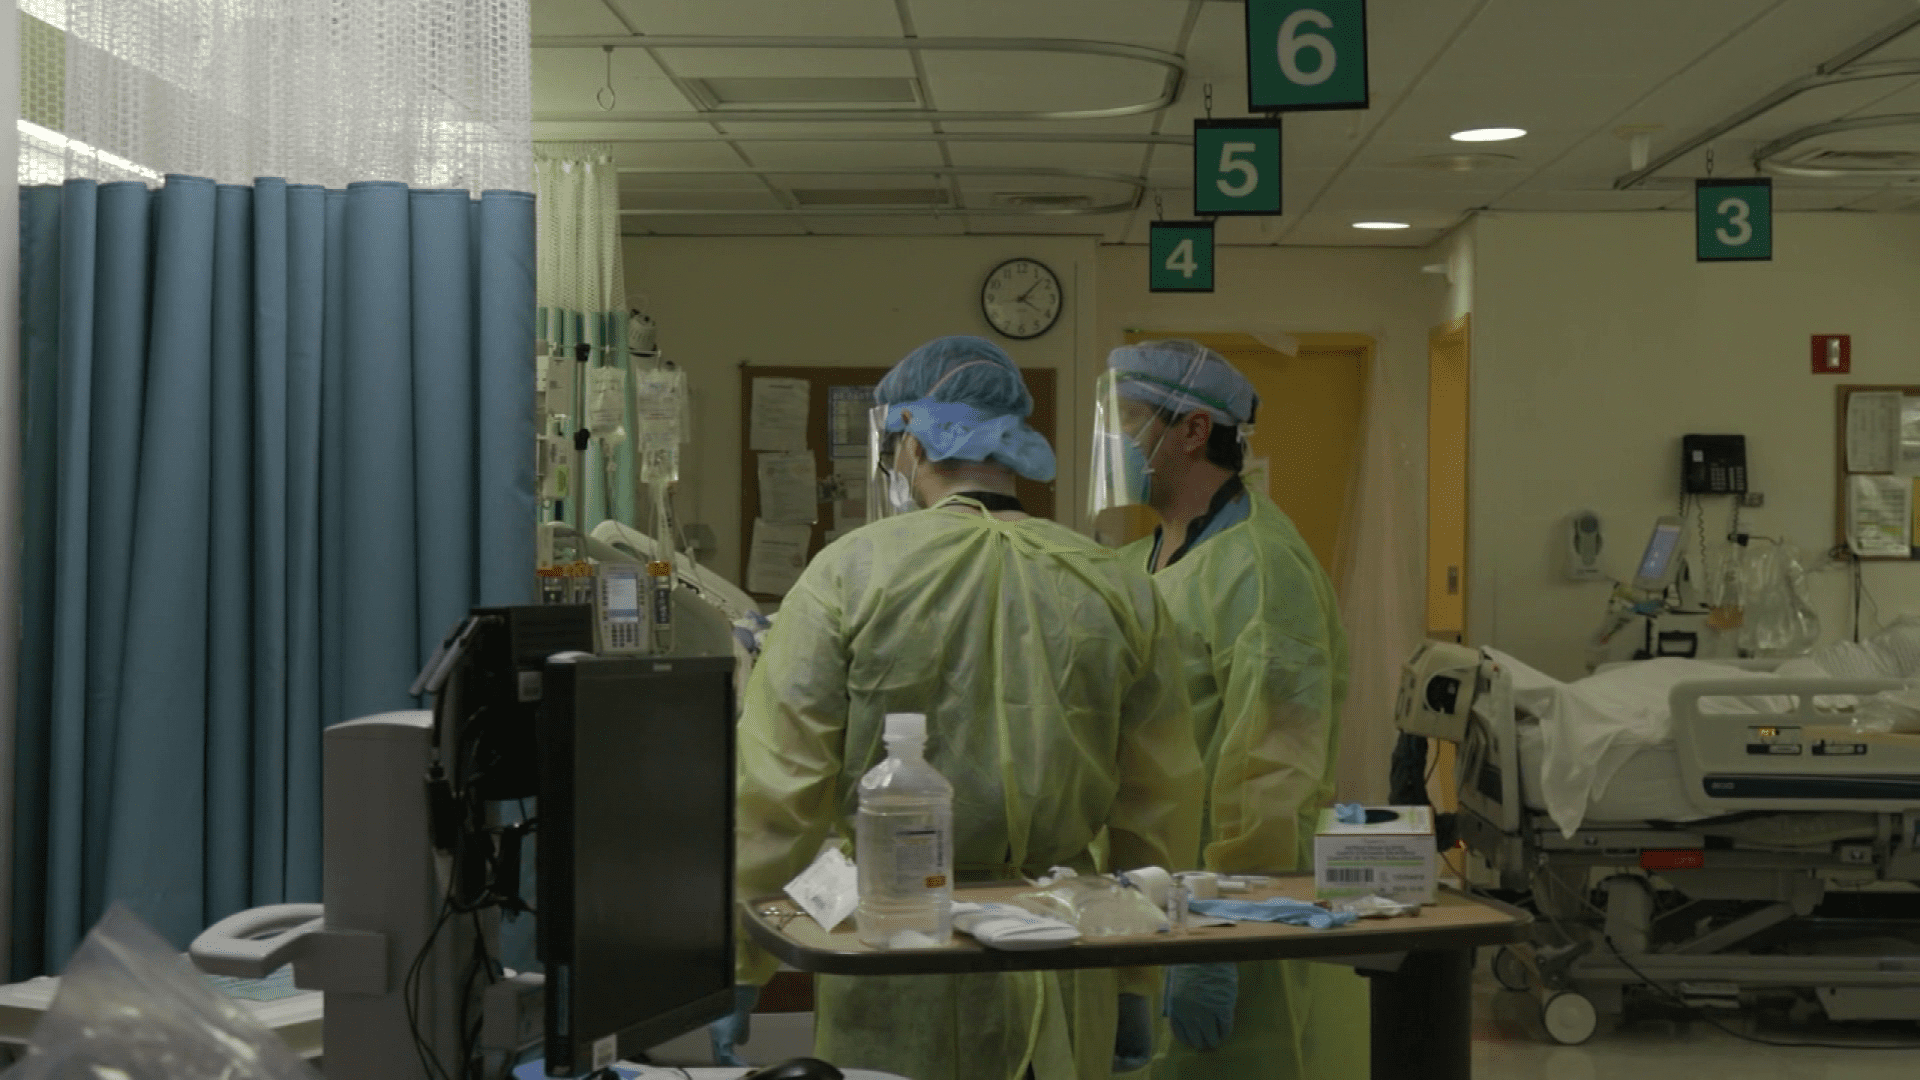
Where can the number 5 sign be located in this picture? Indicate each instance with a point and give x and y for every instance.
(1236, 166)
(1733, 219)
(1306, 54)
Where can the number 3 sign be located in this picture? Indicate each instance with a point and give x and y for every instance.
(1306, 54)
(1733, 220)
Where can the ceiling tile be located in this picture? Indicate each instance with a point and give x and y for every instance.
(945, 225)
(639, 189)
(569, 81)
(1584, 200)
(553, 17)
(703, 154)
(1116, 157)
(1152, 23)
(986, 225)
(1038, 82)
(788, 129)
(713, 226)
(704, 197)
(1527, 41)
(616, 130)
(768, 18)
(848, 154)
(1119, 125)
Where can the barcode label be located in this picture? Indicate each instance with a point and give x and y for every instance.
(1337, 875)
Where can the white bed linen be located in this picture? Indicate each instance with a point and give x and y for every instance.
(1646, 787)
(1591, 728)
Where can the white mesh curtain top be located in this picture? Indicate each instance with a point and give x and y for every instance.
(434, 93)
(582, 281)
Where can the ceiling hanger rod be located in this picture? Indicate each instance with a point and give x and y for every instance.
(879, 136)
(1831, 73)
(1173, 65)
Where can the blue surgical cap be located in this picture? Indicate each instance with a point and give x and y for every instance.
(1164, 374)
(963, 399)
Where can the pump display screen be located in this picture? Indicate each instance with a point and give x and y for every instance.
(1657, 564)
(623, 596)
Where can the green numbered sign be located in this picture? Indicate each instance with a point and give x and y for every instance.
(1180, 255)
(1306, 54)
(1236, 166)
(1733, 219)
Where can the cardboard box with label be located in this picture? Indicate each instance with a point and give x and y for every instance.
(1390, 855)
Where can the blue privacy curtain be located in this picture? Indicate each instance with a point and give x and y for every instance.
(278, 439)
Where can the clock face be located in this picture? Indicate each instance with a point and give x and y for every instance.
(1021, 299)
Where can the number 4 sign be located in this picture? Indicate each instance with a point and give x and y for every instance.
(1733, 219)
(1180, 256)
(1306, 54)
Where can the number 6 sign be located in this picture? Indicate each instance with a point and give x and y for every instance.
(1306, 54)
(1733, 219)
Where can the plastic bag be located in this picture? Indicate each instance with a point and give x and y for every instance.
(131, 1006)
(1895, 710)
(1097, 905)
(1777, 620)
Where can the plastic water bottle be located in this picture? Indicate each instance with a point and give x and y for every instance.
(903, 840)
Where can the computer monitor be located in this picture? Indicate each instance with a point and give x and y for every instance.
(635, 853)
(1660, 562)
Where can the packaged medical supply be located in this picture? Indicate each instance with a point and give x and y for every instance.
(903, 837)
(1011, 928)
(1098, 905)
(1391, 854)
(1279, 909)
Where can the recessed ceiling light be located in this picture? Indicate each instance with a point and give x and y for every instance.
(1488, 134)
(1381, 225)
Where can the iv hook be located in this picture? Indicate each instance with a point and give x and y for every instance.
(606, 97)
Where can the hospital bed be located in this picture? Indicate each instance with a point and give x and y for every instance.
(1766, 849)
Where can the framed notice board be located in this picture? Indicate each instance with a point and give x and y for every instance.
(1877, 471)
(803, 426)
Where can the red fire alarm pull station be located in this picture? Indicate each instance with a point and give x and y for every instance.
(1832, 354)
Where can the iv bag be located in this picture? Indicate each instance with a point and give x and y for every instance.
(606, 401)
(660, 403)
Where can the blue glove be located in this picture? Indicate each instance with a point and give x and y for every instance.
(1277, 910)
(1350, 813)
(1133, 1037)
(1200, 1000)
(728, 1032)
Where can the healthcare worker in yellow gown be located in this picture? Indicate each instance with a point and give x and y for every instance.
(1266, 675)
(1053, 693)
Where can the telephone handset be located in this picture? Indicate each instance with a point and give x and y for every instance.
(1713, 464)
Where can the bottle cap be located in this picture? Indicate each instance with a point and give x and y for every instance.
(906, 727)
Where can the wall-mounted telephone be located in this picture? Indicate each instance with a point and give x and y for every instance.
(1713, 464)
(619, 618)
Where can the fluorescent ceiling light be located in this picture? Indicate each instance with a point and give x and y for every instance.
(1381, 225)
(1493, 134)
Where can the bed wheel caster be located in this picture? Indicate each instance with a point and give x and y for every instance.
(1569, 1017)
(1510, 969)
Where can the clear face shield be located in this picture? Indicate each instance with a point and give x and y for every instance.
(1131, 412)
(889, 491)
(1126, 435)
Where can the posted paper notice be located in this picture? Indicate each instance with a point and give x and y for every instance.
(1880, 515)
(789, 489)
(779, 416)
(778, 555)
(1873, 431)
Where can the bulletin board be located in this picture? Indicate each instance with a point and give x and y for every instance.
(829, 427)
(1877, 471)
